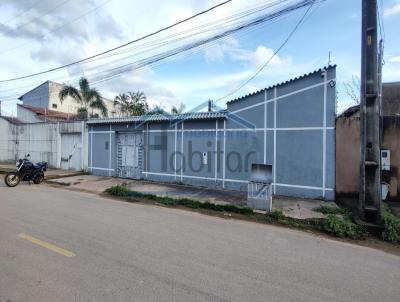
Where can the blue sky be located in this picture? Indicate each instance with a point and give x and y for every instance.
(190, 78)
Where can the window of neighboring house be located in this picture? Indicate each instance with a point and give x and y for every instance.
(54, 106)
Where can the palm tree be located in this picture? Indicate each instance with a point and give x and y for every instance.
(87, 97)
(157, 109)
(178, 110)
(139, 104)
(123, 102)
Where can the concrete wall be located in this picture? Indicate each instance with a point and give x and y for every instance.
(27, 116)
(348, 156)
(47, 96)
(69, 105)
(293, 130)
(8, 133)
(38, 97)
(41, 140)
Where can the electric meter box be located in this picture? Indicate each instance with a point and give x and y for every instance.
(385, 160)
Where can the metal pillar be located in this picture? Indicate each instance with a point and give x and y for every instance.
(370, 170)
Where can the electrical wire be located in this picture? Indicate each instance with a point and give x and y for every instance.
(272, 56)
(112, 73)
(221, 23)
(118, 47)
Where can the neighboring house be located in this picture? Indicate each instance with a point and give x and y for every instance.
(348, 146)
(290, 126)
(46, 96)
(62, 144)
(30, 114)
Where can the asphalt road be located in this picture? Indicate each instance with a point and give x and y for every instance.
(131, 252)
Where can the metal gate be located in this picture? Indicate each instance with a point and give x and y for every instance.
(71, 151)
(130, 155)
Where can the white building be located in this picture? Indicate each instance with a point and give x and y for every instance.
(46, 96)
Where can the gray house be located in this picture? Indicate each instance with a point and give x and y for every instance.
(290, 126)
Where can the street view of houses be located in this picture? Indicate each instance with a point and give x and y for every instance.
(188, 150)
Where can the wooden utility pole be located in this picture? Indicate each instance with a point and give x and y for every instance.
(370, 107)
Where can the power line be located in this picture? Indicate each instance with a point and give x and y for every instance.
(118, 47)
(45, 14)
(113, 72)
(273, 55)
(22, 12)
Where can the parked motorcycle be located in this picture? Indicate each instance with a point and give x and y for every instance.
(26, 171)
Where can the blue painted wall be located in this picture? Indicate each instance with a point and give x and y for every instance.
(290, 126)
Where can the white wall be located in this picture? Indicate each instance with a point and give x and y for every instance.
(26, 115)
(41, 140)
(7, 141)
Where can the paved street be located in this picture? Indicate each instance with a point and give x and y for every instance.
(59, 245)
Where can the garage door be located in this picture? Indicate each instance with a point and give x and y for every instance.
(130, 155)
(71, 151)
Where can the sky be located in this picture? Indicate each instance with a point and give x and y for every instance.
(37, 35)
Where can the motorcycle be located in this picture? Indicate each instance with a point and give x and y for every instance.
(26, 171)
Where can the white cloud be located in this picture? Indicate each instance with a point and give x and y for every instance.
(260, 56)
(395, 59)
(395, 9)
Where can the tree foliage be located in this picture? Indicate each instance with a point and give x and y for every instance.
(132, 103)
(86, 97)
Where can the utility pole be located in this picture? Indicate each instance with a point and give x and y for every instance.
(370, 107)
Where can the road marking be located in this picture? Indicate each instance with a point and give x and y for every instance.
(47, 245)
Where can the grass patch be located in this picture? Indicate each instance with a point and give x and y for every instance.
(123, 191)
(391, 232)
(342, 227)
(336, 225)
(332, 210)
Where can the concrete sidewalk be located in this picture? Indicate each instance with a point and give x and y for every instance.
(291, 207)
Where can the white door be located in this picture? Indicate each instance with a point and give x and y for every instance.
(130, 155)
(71, 151)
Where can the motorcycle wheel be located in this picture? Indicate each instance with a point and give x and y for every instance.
(39, 177)
(12, 179)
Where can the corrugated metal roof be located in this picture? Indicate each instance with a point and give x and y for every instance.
(282, 83)
(161, 117)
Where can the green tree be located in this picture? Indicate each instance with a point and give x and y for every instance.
(178, 110)
(86, 97)
(122, 101)
(157, 109)
(139, 104)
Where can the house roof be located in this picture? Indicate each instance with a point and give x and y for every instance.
(47, 113)
(21, 97)
(162, 117)
(283, 83)
(12, 120)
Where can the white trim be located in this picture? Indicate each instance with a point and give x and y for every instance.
(274, 162)
(303, 187)
(239, 181)
(265, 126)
(91, 150)
(109, 158)
(83, 152)
(101, 132)
(147, 148)
(224, 157)
(282, 96)
(324, 137)
(247, 129)
(175, 139)
(216, 150)
(182, 153)
(105, 169)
